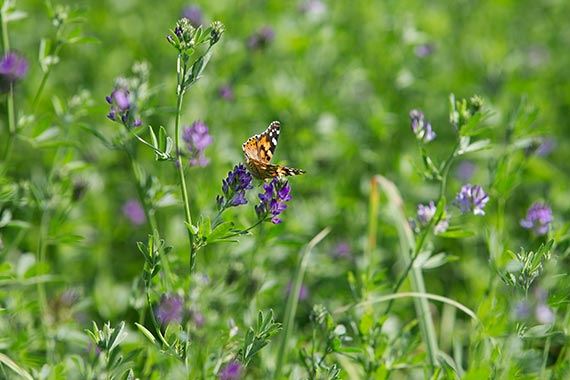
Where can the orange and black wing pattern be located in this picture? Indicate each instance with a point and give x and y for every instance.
(258, 151)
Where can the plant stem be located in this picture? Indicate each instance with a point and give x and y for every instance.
(41, 253)
(373, 204)
(420, 244)
(408, 246)
(10, 112)
(151, 218)
(188, 216)
(293, 299)
(40, 89)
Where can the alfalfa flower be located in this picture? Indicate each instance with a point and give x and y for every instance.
(273, 200)
(261, 38)
(134, 212)
(170, 309)
(226, 92)
(194, 14)
(421, 127)
(197, 139)
(425, 214)
(231, 371)
(538, 218)
(13, 67)
(122, 107)
(471, 198)
(234, 187)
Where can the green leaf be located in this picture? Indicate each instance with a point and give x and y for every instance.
(456, 232)
(219, 232)
(15, 16)
(146, 333)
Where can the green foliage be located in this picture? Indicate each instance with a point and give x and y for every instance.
(124, 257)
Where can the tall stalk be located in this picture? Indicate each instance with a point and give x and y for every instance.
(10, 112)
(407, 248)
(182, 69)
(293, 299)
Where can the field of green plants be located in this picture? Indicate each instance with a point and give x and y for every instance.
(142, 237)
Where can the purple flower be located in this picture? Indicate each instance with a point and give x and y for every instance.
(313, 8)
(521, 311)
(234, 186)
(544, 314)
(342, 251)
(13, 67)
(170, 309)
(465, 170)
(226, 92)
(425, 214)
(197, 138)
(231, 371)
(122, 108)
(472, 198)
(272, 200)
(421, 127)
(194, 14)
(261, 39)
(424, 50)
(198, 319)
(303, 291)
(538, 218)
(546, 147)
(133, 210)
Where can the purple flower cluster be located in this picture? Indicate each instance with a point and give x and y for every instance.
(538, 304)
(170, 309)
(231, 371)
(122, 108)
(425, 214)
(12, 68)
(538, 218)
(134, 211)
(421, 127)
(342, 251)
(465, 170)
(234, 186)
(424, 50)
(197, 139)
(194, 14)
(472, 198)
(272, 200)
(226, 92)
(261, 39)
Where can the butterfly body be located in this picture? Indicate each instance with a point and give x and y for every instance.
(258, 151)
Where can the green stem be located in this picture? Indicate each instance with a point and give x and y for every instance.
(10, 112)
(373, 205)
(41, 253)
(545, 358)
(293, 299)
(420, 244)
(188, 216)
(409, 247)
(40, 90)
(151, 218)
(247, 229)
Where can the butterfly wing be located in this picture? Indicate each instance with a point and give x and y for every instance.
(261, 147)
(263, 170)
(258, 151)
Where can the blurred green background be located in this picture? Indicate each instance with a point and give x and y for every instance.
(341, 76)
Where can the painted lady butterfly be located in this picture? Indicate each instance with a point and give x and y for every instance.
(259, 150)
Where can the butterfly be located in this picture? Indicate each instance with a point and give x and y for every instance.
(258, 151)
